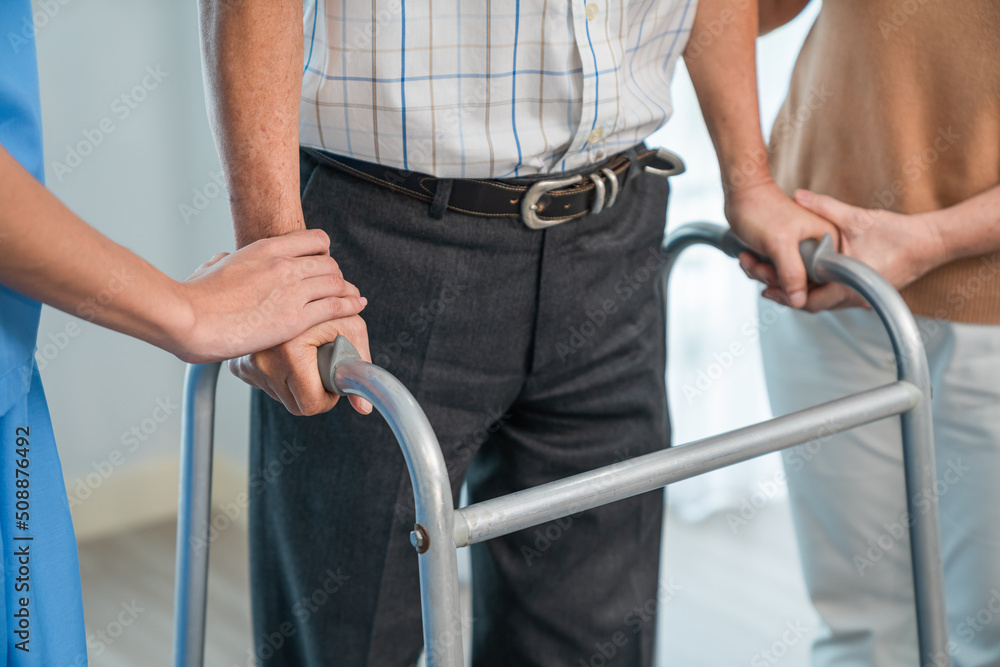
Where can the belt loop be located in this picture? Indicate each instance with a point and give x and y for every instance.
(442, 193)
(633, 163)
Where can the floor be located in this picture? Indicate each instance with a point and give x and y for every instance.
(739, 593)
(733, 596)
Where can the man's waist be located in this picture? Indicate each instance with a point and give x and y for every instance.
(541, 200)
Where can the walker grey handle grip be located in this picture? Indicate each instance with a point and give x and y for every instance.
(709, 233)
(331, 355)
(810, 249)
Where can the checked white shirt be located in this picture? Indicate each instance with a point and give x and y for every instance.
(490, 89)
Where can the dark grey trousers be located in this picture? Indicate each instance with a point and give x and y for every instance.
(536, 355)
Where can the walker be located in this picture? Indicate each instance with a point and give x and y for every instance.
(440, 529)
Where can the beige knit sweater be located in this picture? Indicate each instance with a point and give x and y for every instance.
(896, 104)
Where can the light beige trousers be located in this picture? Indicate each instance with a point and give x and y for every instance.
(847, 493)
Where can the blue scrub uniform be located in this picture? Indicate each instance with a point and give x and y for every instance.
(41, 605)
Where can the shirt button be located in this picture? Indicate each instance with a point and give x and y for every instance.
(596, 135)
(592, 11)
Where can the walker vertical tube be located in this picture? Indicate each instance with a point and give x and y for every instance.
(345, 373)
(918, 448)
(194, 514)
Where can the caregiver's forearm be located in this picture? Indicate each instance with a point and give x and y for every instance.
(51, 255)
(970, 228)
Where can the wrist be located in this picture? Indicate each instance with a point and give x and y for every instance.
(938, 247)
(176, 322)
(736, 198)
(254, 226)
(262, 208)
(747, 171)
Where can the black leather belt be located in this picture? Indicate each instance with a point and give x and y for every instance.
(539, 204)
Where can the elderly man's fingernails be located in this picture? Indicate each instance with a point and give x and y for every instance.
(366, 407)
(797, 299)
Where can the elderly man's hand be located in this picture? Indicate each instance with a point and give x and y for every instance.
(900, 247)
(768, 221)
(289, 373)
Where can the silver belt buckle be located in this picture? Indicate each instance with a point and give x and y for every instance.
(529, 204)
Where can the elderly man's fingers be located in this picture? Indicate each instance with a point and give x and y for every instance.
(758, 270)
(791, 272)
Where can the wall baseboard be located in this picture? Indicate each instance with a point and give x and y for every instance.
(146, 493)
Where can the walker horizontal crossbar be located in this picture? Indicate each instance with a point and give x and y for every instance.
(440, 528)
(547, 502)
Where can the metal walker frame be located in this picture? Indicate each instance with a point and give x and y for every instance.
(440, 528)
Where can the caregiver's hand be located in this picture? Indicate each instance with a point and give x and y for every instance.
(264, 294)
(768, 221)
(900, 247)
(289, 373)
